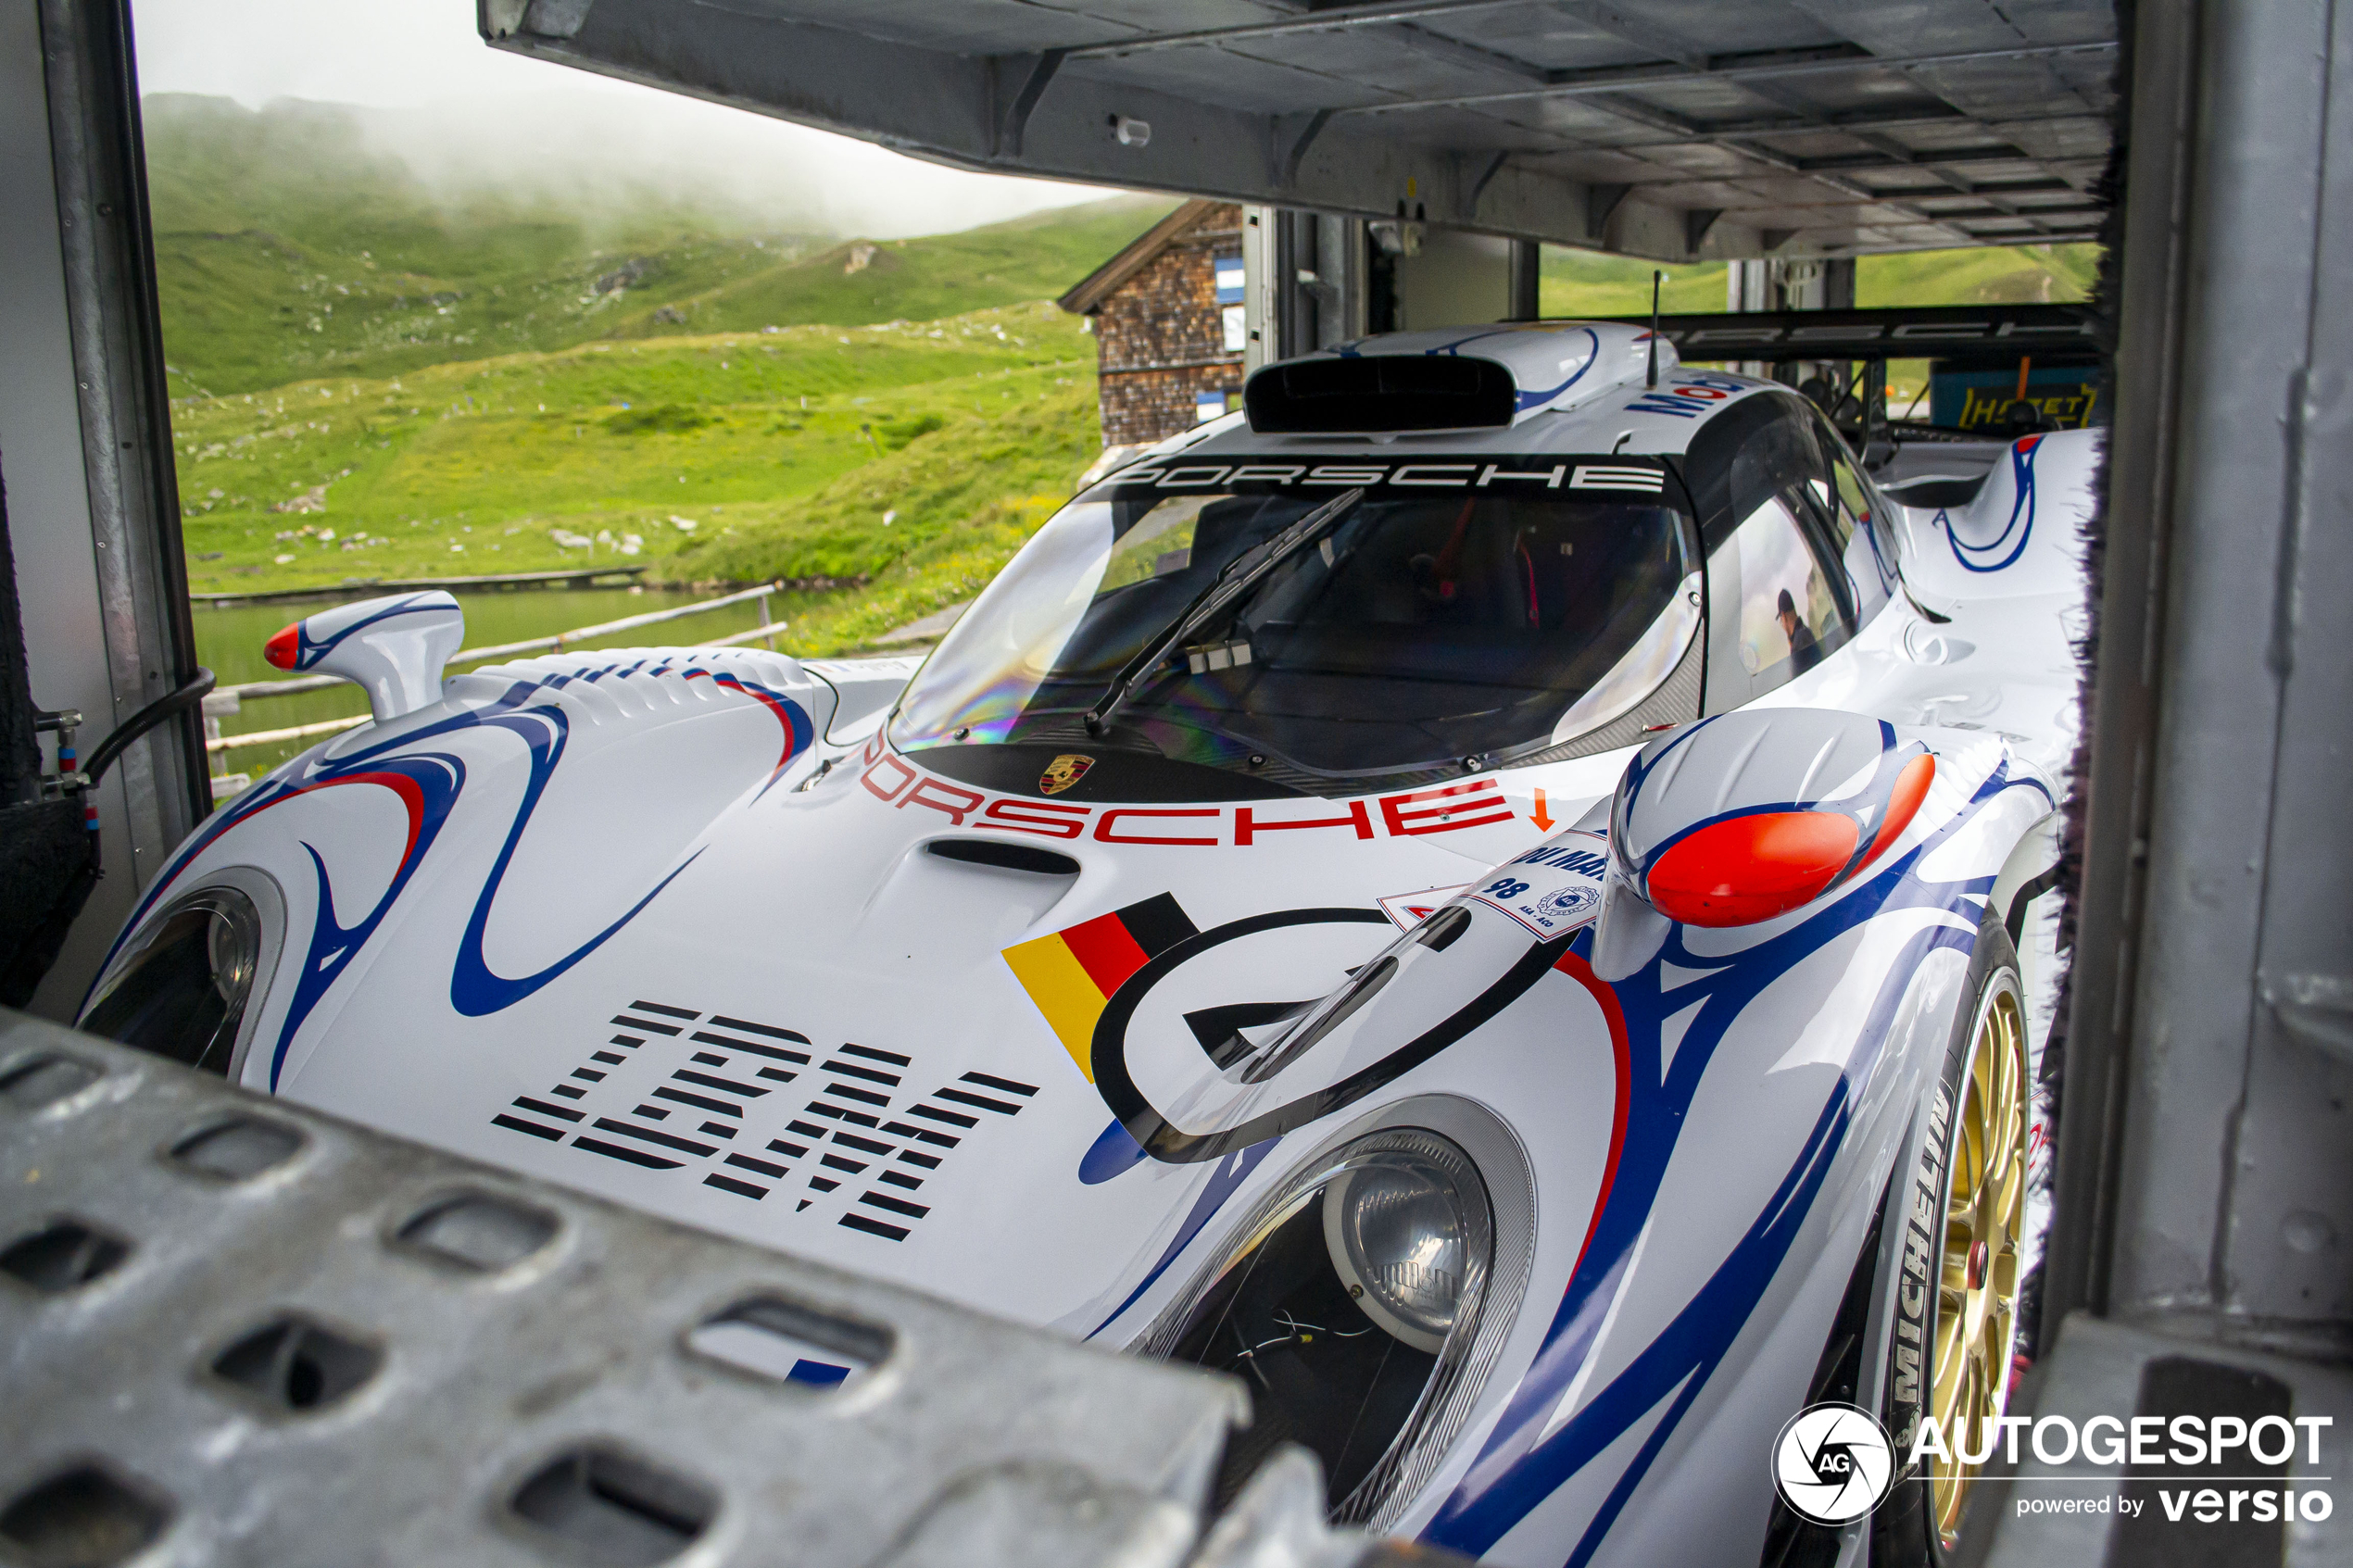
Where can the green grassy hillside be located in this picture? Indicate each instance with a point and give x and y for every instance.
(887, 471)
(862, 281)
(376, 381)
(288, 250)
(285, 249)
(1579, 283)
(537, 461)
(1995, 275)
(926, 525)
(1586, 283)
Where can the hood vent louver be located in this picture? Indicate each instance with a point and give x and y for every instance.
(1380, 393)
(1004, 857)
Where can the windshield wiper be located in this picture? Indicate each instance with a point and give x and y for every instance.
(1230, 585)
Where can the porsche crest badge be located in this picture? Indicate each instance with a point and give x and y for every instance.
(1063, 772)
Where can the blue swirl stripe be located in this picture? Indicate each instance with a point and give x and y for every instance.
(2020, 521)
(429, 784)
(312, 652)
(1516, 1468)
(476, 990)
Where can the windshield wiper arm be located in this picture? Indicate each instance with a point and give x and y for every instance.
(1230, 585)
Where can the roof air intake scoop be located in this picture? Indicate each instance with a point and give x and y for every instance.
(1380, 393)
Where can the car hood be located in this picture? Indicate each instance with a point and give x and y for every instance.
(824, 1033)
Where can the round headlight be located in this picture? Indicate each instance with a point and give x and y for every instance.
(1349, 1301)
(1398, 1232)
(182, 991)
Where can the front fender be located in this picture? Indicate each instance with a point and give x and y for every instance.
(556, 795)
(1769, 1080)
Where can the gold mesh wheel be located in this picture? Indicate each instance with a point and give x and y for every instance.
(1977, 1294)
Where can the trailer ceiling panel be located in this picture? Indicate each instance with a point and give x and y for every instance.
(1687, 129)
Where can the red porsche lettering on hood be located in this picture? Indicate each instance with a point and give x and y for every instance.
(899, 783)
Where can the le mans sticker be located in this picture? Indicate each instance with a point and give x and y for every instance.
(1553, 889)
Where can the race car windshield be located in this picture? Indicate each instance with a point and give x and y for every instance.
(1434, 620)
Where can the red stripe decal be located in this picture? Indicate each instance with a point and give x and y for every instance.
(411, 797)
(399, 783)
(775, 710)
(1576, 969)
(1105, 951)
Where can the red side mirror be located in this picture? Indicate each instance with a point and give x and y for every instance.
(1750, 868)
(1727, 823)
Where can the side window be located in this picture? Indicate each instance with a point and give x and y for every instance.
(1780, 467)
(1854, 501)
(1866, 539)
(1788, 618)
(1772, 514)
(1838, 518)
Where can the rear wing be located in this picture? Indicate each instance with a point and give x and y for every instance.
(1995, 370)
(1962, 336)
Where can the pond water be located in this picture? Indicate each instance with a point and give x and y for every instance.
(229, 642)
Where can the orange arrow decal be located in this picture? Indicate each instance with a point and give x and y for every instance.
(1540, 817)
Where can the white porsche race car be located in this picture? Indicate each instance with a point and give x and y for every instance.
(1498, 897)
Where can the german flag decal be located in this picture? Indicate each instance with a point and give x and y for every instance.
(1072, 973)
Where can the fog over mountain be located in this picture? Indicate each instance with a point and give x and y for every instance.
(303, 239)
(591, 151)
(464, 164)
(464, 118)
